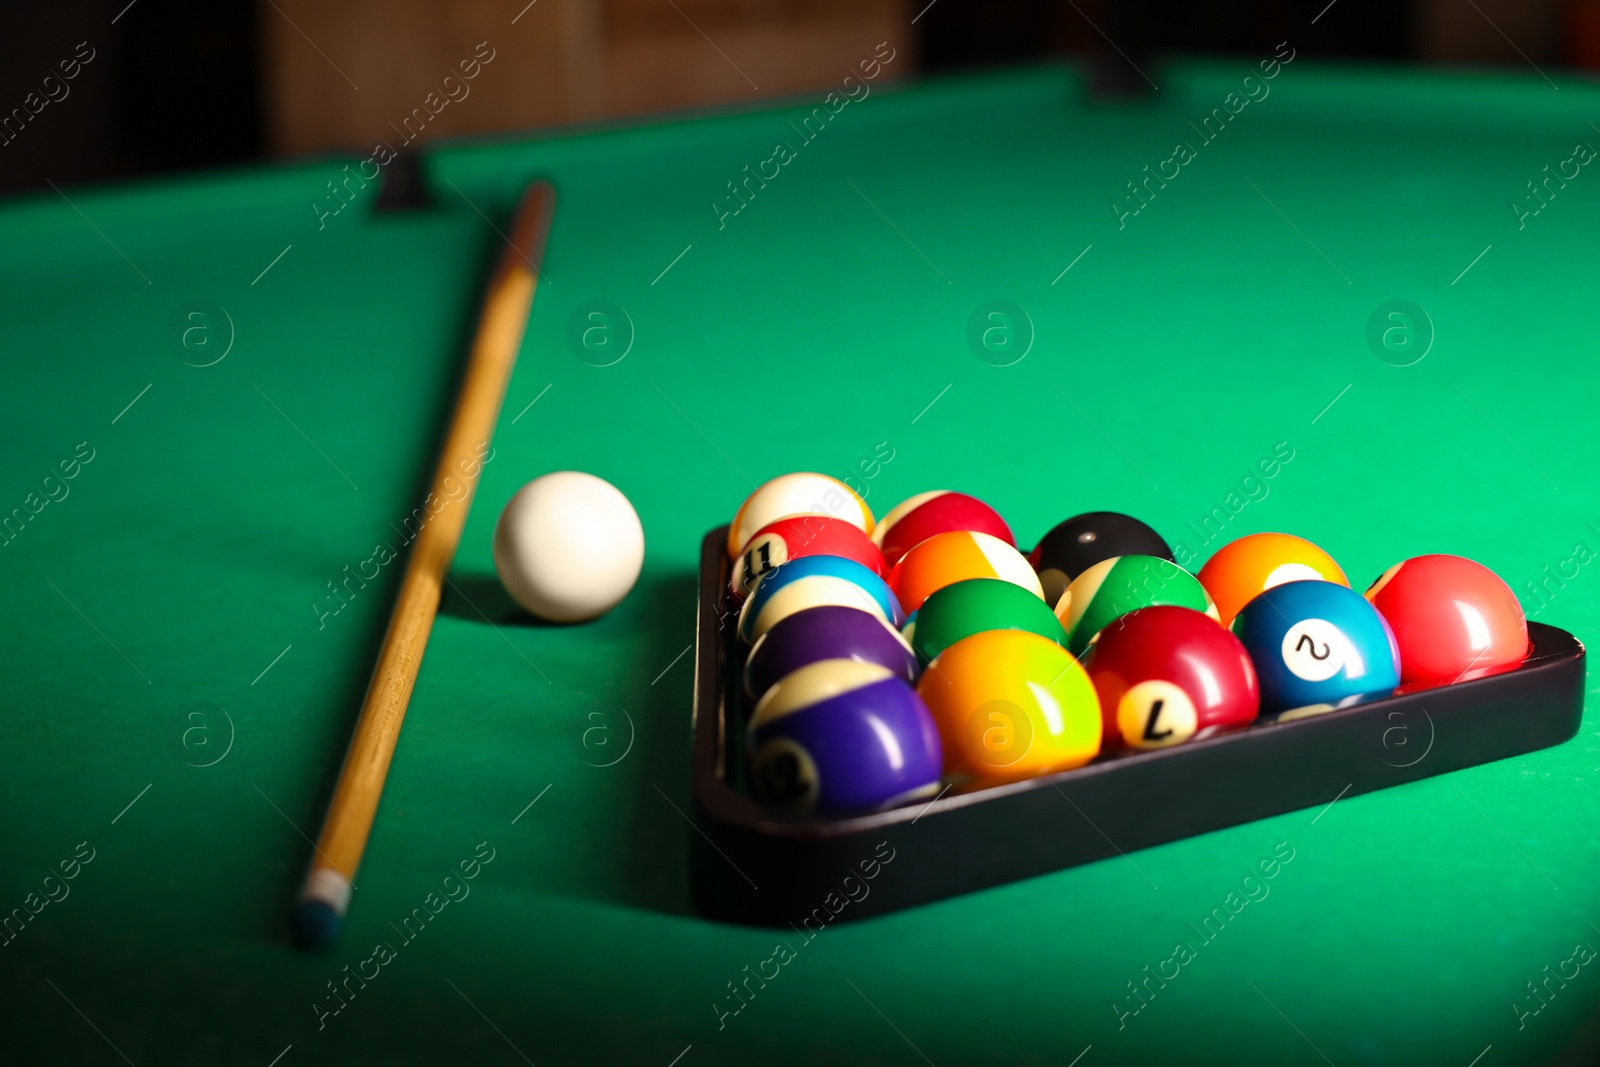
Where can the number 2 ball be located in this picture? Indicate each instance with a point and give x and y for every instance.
(1167, 674)
(1454, 619)
(1315, 642)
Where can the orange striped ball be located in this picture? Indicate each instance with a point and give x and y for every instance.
(954, 557)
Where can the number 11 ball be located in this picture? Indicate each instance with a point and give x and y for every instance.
(568, 546)
(778, 542)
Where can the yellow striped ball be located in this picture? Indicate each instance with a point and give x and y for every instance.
(802, 493)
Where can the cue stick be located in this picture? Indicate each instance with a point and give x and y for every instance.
(325, 897)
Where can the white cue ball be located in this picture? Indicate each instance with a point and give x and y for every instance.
(568, 546)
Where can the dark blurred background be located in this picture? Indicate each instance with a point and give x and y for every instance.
(168, 85)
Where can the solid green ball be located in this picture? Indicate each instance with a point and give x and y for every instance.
(973, 606)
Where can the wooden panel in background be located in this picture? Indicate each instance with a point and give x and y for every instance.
(346, 76)
(1512, 33)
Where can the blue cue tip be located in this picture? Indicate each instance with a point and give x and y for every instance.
(315, 924)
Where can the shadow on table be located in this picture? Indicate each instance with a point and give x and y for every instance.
(647, 862)
(479, 597)
(656, 849)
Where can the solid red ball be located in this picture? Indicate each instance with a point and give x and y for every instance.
(1453, 619)
(918, 518)
(1167, 674)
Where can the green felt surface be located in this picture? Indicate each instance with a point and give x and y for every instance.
(827, 317)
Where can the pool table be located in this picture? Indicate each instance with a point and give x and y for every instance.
(1348, 302)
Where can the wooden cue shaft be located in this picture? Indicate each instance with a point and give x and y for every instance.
(326, 895)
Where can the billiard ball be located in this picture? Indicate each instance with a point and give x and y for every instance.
(568, 546)
(810, 582)
(840, 737)
(964, 608)
(1114, 587)
(778, 542)
(796, 494)
(1010, 705)
(1073, 546)
(831, 631)
(1315, 642)
(953, 556)
(1453, 619)
(918, 518)
(1165, 675)
(1243, 569)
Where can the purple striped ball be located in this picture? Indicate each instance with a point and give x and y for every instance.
(832, 631)
(842, 737)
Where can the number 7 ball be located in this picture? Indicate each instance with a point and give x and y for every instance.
(1167, 674)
